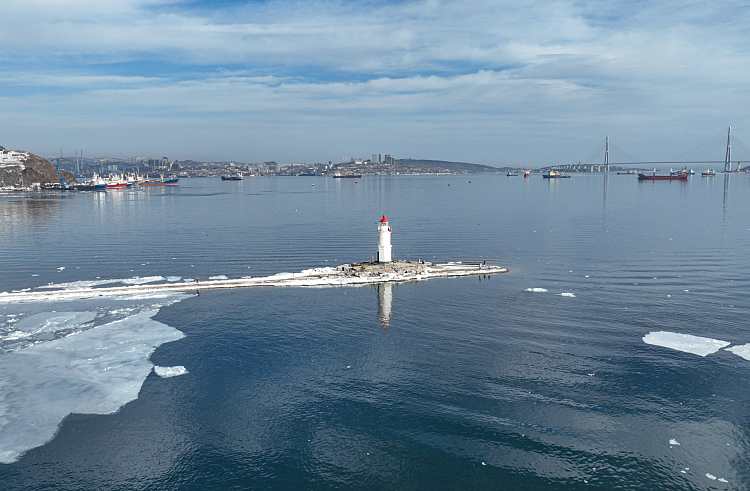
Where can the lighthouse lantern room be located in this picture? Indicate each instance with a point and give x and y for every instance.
(384, 241)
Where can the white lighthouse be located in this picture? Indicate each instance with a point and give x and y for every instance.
(384, 241)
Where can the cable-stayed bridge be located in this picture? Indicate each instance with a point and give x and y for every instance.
(728, 159)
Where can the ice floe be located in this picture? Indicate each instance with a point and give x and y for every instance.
(166, 372)
(567, 294)
(673, 442)
(742, 350)
(538, 290)
(76, 285)
(90, 360)
(687, 343)
(710, 476)
(137, 280)
(218, 277)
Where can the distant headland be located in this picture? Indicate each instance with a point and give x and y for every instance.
(19, 169)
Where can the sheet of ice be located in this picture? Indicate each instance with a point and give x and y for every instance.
(687, 343)
(76, 285)
(53, 321)
(166, 372)
(218, 277)
(741, 350)
(97, 367)
(538, 290)
(673, 442)
(174, 278)
(136, 280)
(710, 476)
(567, 294)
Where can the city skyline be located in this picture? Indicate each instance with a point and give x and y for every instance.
(502, 84)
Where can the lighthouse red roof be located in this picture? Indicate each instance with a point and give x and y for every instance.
(383, 220)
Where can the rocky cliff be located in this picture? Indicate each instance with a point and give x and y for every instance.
(30, 169)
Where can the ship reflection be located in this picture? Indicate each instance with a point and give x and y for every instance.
(385, 301)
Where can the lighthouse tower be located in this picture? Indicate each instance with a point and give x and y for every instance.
(384, 241)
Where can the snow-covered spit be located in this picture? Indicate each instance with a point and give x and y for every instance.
(348, 274)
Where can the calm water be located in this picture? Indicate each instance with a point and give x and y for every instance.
(475, 383)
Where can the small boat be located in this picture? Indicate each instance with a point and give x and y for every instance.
(237, 177)
(527, 174)
(555, 175)
(708, 173)
(160, 182)
(630, 172)
(511, 173)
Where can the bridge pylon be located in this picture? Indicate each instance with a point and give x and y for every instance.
(728, 158)
(606, 155)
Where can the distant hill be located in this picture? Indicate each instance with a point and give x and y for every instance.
(29, 169)
(462, 167)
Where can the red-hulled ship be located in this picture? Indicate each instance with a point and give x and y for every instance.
(680, 175)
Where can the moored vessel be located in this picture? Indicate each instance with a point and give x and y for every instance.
(708, 173)
(160, 182)
(555, 175)
(681, 175)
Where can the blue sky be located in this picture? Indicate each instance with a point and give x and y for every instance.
(494, 82)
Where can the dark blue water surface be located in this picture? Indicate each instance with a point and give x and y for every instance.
(475, 383)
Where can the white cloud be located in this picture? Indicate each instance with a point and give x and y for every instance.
(489, 75)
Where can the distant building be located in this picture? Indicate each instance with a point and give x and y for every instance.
(389, 160)
(380, 158)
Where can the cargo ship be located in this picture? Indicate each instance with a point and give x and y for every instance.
(680, 175)
(160, 182)
(347, 176)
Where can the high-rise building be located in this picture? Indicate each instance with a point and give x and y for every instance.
(388, 160)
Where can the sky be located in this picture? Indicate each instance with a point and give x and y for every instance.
(492, 82)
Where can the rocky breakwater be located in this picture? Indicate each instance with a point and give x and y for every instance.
(19, 169)
(403, 268)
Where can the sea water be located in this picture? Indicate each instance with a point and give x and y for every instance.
(612, 354)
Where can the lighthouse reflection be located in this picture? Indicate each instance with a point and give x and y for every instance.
(385, 301)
